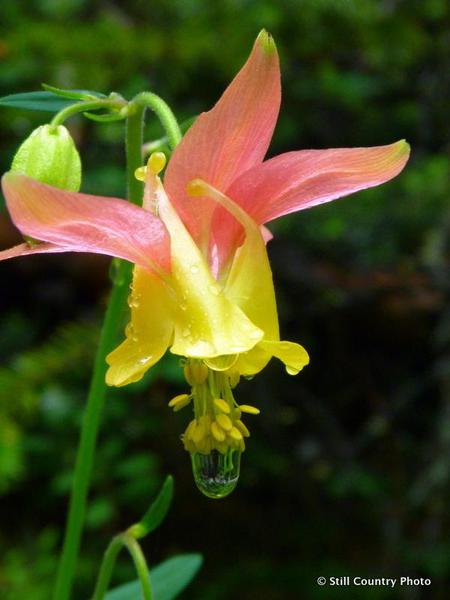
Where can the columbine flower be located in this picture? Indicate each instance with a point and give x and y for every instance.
(202, 284)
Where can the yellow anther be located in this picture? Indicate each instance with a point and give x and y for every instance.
(198, 433)
(218, 432)
(204, 446)
(156, 162)
(235, 434)
(222, 447)
(222, 405)
(179, 402)
(196, 373)
(242, 428)
(140, 173)
(196, 187)
(224, 422)
(250, 410)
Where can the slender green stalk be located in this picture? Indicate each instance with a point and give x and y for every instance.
(84, 106)
(109, 560)
(164, 114)
(97, 391)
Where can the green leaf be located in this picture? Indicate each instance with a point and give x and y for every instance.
(156, 513)
(168, 579)
(73, 94)
(43, 101)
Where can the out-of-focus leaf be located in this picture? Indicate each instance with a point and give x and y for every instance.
(168, 579)
(43, 101)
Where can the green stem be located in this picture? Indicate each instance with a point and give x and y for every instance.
(73, 109)
(97, 391)
(164, 114)
(109, 560)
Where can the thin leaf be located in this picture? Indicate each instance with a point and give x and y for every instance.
(108, 118)
(73, 94)
(42, 101)
(168, 579)
(156, 513)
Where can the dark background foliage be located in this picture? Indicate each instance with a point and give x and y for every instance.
(347, 470)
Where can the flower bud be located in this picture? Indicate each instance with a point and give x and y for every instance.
(49, 155)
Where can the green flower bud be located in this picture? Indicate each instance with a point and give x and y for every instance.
(49, 155)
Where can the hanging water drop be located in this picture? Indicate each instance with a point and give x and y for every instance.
(216, 474)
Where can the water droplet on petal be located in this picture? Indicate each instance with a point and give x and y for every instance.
(215, 474)
(131, 333)
(183, 306)
(203, 347)
(214, 289)
(144, 360)
(194, 268)
(135, 301)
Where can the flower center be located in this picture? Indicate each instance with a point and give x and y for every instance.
(215, 437)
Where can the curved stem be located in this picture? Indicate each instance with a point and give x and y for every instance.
(109, 560)
(140, 565)
(164, 114)
(97, 391)
(106, 568)
(74, 109)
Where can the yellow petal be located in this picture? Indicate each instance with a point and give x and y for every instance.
(250, 285)
(207, 324)
(252, 362)
(292, 355)
(149, 334)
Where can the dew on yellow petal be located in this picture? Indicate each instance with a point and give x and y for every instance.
(148, 334)
(294, 356)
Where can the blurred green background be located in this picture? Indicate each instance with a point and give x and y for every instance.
(347, 470)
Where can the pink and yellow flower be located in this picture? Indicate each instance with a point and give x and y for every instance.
(202, 284)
